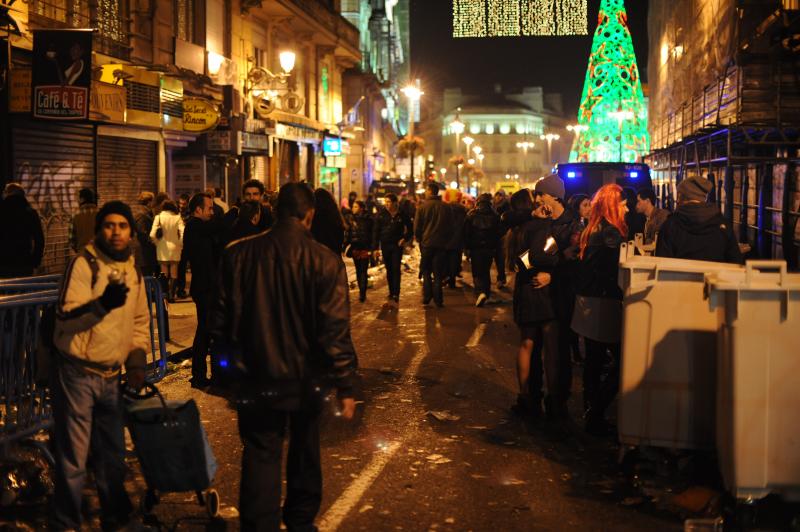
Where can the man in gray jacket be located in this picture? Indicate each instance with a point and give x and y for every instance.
(433, 229)
(102, 322)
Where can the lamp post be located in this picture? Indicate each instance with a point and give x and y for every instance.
(525, 146)
(621, 115)
(577, 129)
(457, 127)
(468, 141)
(413, 93)
(481, 157)
(550, 137)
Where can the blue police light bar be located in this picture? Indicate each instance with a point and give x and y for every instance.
(571, 175)
(634, 175)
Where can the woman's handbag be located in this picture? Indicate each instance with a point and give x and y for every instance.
(160, 230)
(598, 319)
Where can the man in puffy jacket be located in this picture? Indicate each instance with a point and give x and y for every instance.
(284, 305)
(482, 233)
(697, 230)
(433, 228)
(102, 322)
(392, 230)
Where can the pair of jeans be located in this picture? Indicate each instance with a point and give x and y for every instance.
(362, 276)
(392, 259)
(482, 270)
(200, 344)
(454, 257)
(433, 266)
(602, 360)
(262, 431)
(87, 417)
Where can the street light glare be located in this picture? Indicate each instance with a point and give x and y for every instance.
(468, 141)
(287, 59)
(412, 92)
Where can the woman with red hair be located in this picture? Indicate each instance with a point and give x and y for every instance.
(598, 304)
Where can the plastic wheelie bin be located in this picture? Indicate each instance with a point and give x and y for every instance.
(669, 346)
(758, 380)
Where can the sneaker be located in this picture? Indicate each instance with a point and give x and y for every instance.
(481, 300)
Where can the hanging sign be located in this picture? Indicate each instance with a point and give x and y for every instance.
(107, 103)
(199, 115)
(62, 74)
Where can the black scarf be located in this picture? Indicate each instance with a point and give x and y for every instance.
(118, 256)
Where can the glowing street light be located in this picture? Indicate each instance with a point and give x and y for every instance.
(477, 150)
(457, 127)
(621, 115)
(287, 59)
(481, 157)
(577, 128)
(468, 141)
(525, 146)
(550, 137)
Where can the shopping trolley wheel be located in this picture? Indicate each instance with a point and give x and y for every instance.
(212, 502)
(148, 502)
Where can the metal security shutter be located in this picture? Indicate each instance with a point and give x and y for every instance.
(53, 161)
(125, 167)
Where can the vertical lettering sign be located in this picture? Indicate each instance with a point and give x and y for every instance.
(62, 74)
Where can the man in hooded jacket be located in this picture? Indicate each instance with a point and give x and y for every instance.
(697, 230)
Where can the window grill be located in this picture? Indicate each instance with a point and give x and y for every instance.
(184, 20)
(172, 103)
(73, 13)
(143, 97)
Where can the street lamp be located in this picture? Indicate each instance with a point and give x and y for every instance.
(457, 127)
(550, 137)
(621, 115)
(577, 129)
(468, 141)
(480, 159)
(413, 93)
(525, 146)
(477, 150)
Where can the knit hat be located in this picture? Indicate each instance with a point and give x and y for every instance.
(694, 189)
(114, 207)
(552, 185)
(485, 198)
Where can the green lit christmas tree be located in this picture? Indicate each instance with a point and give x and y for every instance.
(613, 109)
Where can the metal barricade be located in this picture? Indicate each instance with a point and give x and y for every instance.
(24, 395)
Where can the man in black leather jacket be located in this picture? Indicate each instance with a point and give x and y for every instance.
(482, 233)
(392, 230)
(283, 304)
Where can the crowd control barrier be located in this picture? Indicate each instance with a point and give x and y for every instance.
(669, 346)
(758, 434)
(24, 396)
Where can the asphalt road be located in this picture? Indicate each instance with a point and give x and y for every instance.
(434, 445)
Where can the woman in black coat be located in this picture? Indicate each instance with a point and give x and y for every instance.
(359, 244)
(328, 226)
(534, 312)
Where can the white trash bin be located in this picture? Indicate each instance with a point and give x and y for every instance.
(669, 345)
(758, 384)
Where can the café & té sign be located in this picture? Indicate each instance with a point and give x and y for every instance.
(62, 74)
(200, 115)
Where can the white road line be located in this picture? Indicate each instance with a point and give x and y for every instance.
(477, 334)
(355, 491)
(347, 501)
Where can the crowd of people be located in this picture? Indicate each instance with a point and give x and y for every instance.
(269, 283)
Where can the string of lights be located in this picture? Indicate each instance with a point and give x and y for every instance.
(513, 18)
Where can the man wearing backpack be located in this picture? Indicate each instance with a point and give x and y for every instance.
(102, 322)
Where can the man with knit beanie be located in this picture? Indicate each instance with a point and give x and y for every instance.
(102, 322)
(697, 230)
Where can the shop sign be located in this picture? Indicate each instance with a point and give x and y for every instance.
(224, 141)
(107, 103)
(199, 115)
(331, 146)
(301, 134)
(62, 74)
(336, 162)
(19, 100)
(254, 142)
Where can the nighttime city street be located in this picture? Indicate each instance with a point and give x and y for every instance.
(377, 265)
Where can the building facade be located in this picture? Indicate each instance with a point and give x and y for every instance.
(182, 95)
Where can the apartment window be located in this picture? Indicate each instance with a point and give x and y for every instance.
(260, 56)
(184, 20)
(108, 17)
(73, 13)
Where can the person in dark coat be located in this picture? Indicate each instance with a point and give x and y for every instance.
(433, 227)
(393, 229)
(455, 246)
(697, 230)
(598, 304)
(534, 312)
(21, 235)
(202, 254)
(144, 248)
(360, 245)
(482, 232)
(284, 305)
(328, 226)
(501, 206)
(252, 190)
(635, 220)
(248, 222)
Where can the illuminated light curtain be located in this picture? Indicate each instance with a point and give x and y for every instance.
(469, 18)
(513, 18)
(612, 86)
